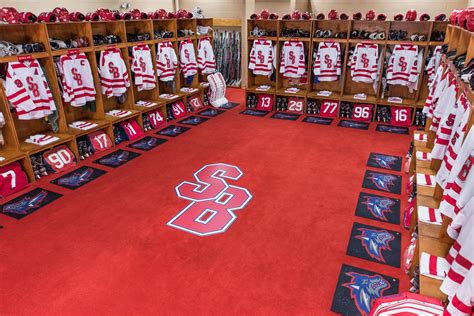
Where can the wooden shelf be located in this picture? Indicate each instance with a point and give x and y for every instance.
(301, 93)
(68, 51)
(350, 98)
(405, 103)
(333, 96)
(144, 109)
(33, 148)
(369, 41)
(271, 38)
(253, 89)
(417, 43)
(10, 156)
(335, 40)
(101, 124)
(8, 59)
(116, 120)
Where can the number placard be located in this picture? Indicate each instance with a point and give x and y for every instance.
(265, 102)
(296, 105)
(196, 102)
(401, 116)
(329, 108)
(178, 109)
(156, 118)
(362, 112)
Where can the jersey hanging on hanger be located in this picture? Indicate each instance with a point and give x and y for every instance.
(166, 61)
(142, 67)
(433, 64)
(446, 101)
(433, 89)
(403, 65)
(27, 90)
(364, 62)
(327, 63)
(462, 303)
(187, 58)
(113, 73)
(76, 79)
(206, 58)
(292, 63)
(262, 57)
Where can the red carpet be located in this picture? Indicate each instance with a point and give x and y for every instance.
(105, 248)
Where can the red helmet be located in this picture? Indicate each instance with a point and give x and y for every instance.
(76, 16)
(136, 14)
(357, 16)
(344, 16)
(410, 15)
(104, 14)
(333, 15)
(285, 17)
(425, 17)
(381, 17)
(370, 16)
(462, 17)
(151, 15)
(92, 16)
(9, 15)
(161, 14)
(306, 16)
(440, 17)
(27, 17)
(125, 16)
(273, 16)
(453, 19)
(296, 15)
(265, 14)
(320, 16)
(62, 14)
(398, 17)
(470, 23)
(47, 17)
(255, 16)
(116, 15)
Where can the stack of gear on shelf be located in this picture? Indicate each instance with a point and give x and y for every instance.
(10, 49)
(138, 37)
(295, 33)
(75, 42)
(281, 103)
(320, 33)
(259, 32)
(106, 39)
(313, 107)
(361, 34)
(159, 34)
(411, 15)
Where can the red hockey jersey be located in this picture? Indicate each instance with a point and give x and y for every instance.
(12, 179)
(59, 158)
(327, 64)
(100, 141)
(131, 129)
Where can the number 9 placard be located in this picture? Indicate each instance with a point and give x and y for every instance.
(329, 108)
(362, 112)
(296, 105)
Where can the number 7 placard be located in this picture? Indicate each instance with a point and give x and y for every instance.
(265, 102)
(329, 108)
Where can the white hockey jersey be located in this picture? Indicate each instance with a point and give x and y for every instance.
(166, 61)
(462, 303)
(27, 90)
(364, 62)
(77, 79)
(446, 101)
(206, 59)
(436, 86)
(292, 63)
(262, 57)
(187, 58)
(327, 64)
(433, 64)
(453, 148)
(142, 67)
(403, 65)
(113, 73)
(459, 179)
(450, 119)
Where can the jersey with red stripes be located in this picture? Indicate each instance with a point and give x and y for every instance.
(187, 58)
(262, 57)
(403, 65)
(327, 63)
(113, 73)
(142, 67)
(166, 61)
(206, 59)
(76, 79)
(364, 62)
(292, 63)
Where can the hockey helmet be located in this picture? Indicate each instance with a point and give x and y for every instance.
(104, 14)
(273, 16)
(255, 16)
(398, 17)
(425, 17)
(125, 16)
(344, 16)
(357, 16)
(265, 14)
(320, 16)
(161, 14)
(410, 15)
(76, 16)
(9, 15)
(462, 17)
(440, 17)
(285, 17)
(92, 16)
(333, 15)
(47, 17)
(453, 19)
(136, 14)
(370, 16)
(296, 15)
(27, 17)
(470, 22)
(62, 14)
(381, 17)
(306, 16)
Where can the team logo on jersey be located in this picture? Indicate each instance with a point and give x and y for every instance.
(385, 161)
(25, 205)
(365, 289)
(382, 181)
(378, 206)
(374, 241)
(77, 178)
(115, 160)
(146, 144)
(213, 200)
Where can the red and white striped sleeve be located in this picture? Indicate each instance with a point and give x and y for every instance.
(462, 304)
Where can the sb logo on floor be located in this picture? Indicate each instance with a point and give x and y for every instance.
(213, 200)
